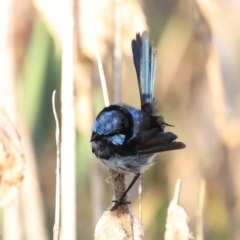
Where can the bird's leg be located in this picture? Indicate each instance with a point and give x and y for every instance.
(121, 199)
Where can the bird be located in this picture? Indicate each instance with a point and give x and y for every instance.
(126, 139)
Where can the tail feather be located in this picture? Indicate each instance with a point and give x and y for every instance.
(136, 49)
(144, 68)
(144, 57)
(152, 67)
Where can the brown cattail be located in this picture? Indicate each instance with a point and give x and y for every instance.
(177, 220)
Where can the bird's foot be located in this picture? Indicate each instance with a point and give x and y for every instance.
(118, 203)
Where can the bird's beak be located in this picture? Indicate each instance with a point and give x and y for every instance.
(95, 137)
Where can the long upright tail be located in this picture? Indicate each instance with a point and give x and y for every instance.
(144, 57)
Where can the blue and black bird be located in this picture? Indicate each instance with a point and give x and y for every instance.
(125, 138)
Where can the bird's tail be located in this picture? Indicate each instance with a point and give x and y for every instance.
(144, 56)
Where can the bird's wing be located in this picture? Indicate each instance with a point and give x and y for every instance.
(162, 148)
(153, 142)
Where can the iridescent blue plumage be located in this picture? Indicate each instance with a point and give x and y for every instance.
(106, 123)
(126, 139)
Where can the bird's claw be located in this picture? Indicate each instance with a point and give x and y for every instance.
(118, 203)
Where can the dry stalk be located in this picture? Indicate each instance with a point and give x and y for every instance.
(101, 72)
(68, 163)
(200, 209)
(56, 227)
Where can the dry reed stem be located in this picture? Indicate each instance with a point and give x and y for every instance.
(68, 163)
(56, 227)
(101, 72)
(200, 210)
(177, 191)
(119, 186)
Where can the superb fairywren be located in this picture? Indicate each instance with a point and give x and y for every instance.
(126, 139)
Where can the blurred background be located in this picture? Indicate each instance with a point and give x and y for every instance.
(197, 88)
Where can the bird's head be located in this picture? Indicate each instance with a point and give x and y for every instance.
(113, 124)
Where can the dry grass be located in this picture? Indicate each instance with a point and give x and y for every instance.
(12, 162)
